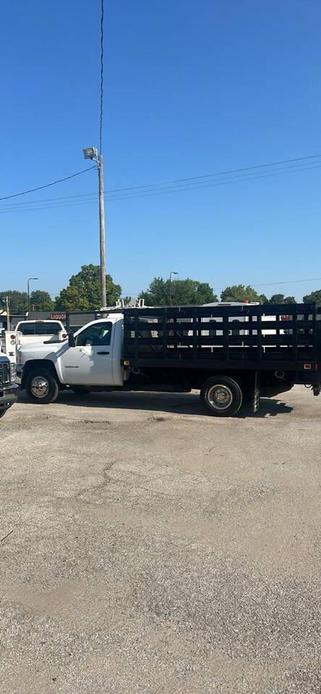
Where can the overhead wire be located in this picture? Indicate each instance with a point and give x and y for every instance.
(101, 114)
(218, 178)
(272, 284)
(252, 284)
(175, 186)
(47, 185)
(275, 284)
(223, 172)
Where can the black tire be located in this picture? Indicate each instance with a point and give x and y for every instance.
(3, 412)
(80, 390)
(42, 386)
(222, 396)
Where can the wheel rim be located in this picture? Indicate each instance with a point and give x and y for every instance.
(220, 397)
(39, 387)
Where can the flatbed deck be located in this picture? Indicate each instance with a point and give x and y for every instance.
(262, 337)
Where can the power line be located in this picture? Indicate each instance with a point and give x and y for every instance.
(145, 191)
(47, 185)
(254, 285)
(221, 173)
(101, 115)
(210, 184)
(207, 183)
(273, 284)
(180, 184)
(276, 284)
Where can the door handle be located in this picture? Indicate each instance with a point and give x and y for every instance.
(102, 352)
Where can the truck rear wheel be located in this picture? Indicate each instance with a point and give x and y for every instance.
(41, 386)
(222, 396)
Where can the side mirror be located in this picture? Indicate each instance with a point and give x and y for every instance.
(71, 340)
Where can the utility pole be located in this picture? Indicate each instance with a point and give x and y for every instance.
(102, 232)
(93, 154)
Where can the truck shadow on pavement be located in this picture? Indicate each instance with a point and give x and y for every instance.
(174, 403)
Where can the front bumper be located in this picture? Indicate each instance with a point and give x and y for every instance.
(8, 395)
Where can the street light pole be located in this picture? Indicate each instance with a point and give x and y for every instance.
(170, 286)
(93, 154)
(29, 280)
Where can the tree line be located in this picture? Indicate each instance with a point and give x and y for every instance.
(83, 293)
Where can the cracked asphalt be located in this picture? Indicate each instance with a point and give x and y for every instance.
(147, 547)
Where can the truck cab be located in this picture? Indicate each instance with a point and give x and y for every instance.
(89, 358)
(94, 354)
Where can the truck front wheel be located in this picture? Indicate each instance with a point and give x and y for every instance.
(222, 396)
(41, 386)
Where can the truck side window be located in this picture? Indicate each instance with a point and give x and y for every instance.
(95, 335)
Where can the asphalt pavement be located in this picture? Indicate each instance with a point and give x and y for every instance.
(147, 547)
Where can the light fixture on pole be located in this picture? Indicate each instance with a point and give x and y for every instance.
(170, 286)
(93, 154)
(29, 280)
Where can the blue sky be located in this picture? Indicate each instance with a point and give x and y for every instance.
(190, 89)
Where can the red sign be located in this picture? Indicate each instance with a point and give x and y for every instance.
(58, 315)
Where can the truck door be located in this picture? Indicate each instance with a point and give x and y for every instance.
(90, 361)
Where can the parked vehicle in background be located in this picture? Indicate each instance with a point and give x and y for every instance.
(9, 345)
(2, 340)
(29, 331)
(8, 386)
(232, 354)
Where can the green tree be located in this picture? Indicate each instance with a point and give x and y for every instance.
(277, 299)
(17, 300)
(177, 292)
(314, 296)
(240, 292)
(41, 301)
(83, 291)
(289, 300)
(281, 299)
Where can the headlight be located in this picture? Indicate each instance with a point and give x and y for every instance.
(13, 371)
